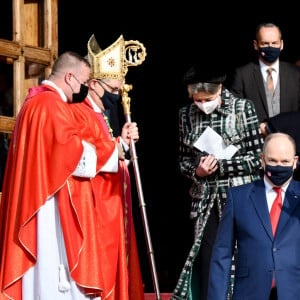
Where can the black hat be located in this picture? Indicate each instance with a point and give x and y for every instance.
(204, 73)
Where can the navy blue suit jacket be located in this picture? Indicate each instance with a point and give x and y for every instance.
(247, 82)
(246, 220)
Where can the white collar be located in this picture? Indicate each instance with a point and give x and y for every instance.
(269, 186)
(96, 108)
(264, 67)
(59, 90)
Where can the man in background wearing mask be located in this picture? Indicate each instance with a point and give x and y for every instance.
(213, 108)
(273, 85)
(262, 218)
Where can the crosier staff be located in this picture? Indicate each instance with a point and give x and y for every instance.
(135, 54)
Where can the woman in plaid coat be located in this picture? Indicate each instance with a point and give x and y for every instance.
(236, 122)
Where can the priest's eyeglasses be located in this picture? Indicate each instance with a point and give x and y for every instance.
(113, 90)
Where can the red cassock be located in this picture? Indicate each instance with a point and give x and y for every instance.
(45, 149)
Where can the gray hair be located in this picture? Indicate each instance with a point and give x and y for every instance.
(210, 88)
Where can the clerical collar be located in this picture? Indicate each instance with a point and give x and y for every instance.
(96, 108)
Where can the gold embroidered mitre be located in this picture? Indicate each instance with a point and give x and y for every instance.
(113, 62)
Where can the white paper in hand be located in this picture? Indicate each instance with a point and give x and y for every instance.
(212, 143)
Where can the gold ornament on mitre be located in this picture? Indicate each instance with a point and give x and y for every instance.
(113, 62)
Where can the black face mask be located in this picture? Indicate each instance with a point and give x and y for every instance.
(269, 54)
(110, 99)
(279, 174)
(79, 97)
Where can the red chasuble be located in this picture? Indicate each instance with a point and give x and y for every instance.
(44, 151)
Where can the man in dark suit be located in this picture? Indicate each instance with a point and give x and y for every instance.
(268, 259)
(250, 81)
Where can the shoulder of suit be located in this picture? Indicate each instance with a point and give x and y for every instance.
(247, 67)
(294, 184)
(289, 66)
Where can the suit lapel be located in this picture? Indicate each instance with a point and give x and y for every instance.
(258, 197)
(284, 89)
(291, 201)
(259, 81)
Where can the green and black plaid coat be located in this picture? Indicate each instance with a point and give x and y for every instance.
(236, 121)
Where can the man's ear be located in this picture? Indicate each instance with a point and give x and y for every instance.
(262, 159)
(281, 44)
(92, 84)
(68, 77)
(255, 45)
(296, 162)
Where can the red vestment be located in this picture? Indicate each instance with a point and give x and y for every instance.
(45, 149)
(130, 257)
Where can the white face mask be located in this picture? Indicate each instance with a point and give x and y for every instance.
(209, 106)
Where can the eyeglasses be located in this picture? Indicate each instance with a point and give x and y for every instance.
(84, 83)
(114, 90)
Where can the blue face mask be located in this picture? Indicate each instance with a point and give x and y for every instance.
(279, 174)
(269, 54)
(110, 99)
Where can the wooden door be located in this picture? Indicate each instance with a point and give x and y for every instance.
(28, 48)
